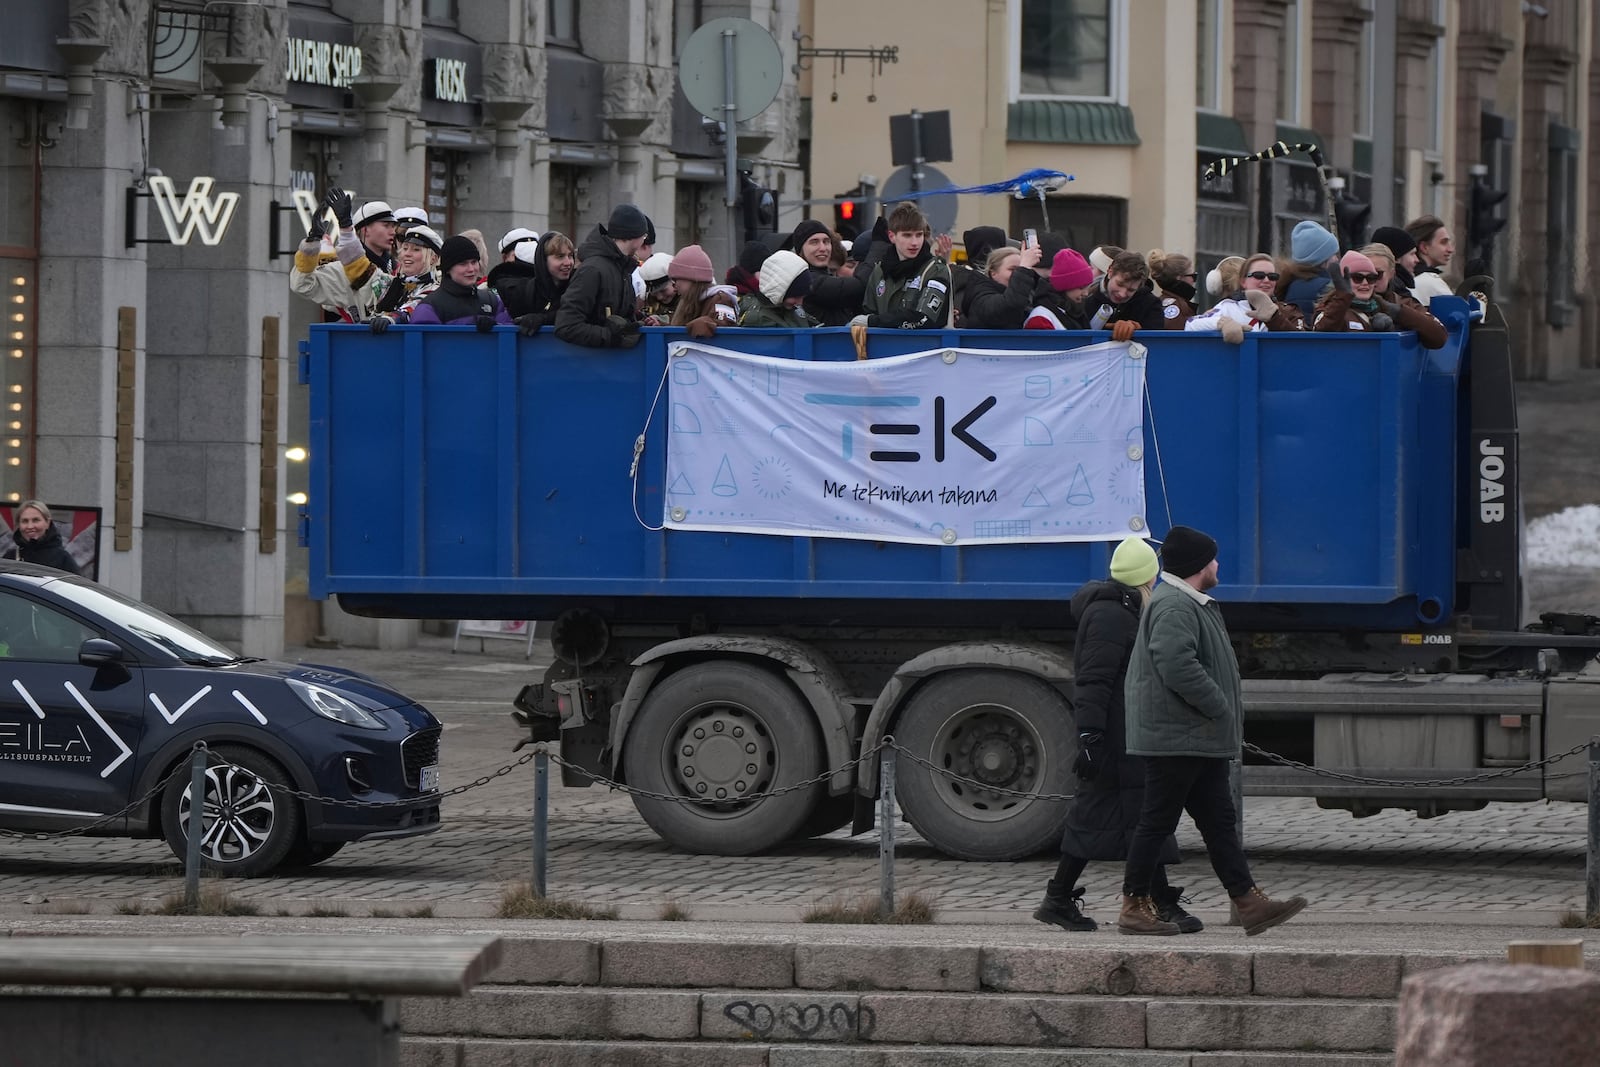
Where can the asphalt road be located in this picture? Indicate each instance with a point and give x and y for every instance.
(1506, 864)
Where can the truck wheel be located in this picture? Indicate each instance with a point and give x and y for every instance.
(248, 822)
(1006, 730)
(711, 734)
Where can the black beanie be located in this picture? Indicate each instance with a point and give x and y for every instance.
(626, 223)
(457, 249)
(1186, 552)
(1398, 241)
(752, 255)
(980, 241)
(804, 232)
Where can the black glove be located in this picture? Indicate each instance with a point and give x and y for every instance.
(624, 332)
(1336, 275)
(318, 227)
(379, 323)
(1091, 755)
(529, 324)
(484, 323)
(343, 208)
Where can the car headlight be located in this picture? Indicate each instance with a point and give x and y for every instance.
(332, 704)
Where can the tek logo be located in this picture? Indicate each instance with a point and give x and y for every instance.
(961, 431)
(1491, 482)
(198, 210)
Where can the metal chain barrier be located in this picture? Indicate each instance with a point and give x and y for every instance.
(104, 820)
(1464, 779)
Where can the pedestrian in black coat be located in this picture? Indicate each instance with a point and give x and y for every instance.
(38, 540)
(597, 310)
(1110, 794)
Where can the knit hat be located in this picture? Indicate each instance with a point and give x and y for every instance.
(457, 249)
(807, 229)
(980, 241)
(692, 265)
(752, 255)
(515, 235)
(783, 275)
(655, 268)
(1354, 262)
(1186, 551)
(1217, 280)
(1070, 271)
(372, 211)
(626, 223)
(425, 236)
(1134, 562)
(1311, 243)
(1399, 241)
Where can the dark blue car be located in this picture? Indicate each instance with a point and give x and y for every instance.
(102, 697)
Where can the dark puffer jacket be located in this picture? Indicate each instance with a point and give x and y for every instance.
(1105, 811)
(992, 306)
(530, 288)
(601, 287)
(47, 551)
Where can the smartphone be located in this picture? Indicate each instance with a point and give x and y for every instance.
(1030, 238)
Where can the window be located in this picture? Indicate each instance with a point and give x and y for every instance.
(30, 631)
(1366, 78)
(1289, 57)
(1069, 48)
(561, 22)
(1208, 53)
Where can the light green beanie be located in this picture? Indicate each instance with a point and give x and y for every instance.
(1134, 562)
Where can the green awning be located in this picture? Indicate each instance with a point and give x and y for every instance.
(1070, 122)
(1297, 135)
(1220, 133)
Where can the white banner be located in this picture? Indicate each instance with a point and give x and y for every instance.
(951, 446)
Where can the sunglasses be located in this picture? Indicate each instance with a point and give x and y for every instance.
(1263, 275)
(1363, 278)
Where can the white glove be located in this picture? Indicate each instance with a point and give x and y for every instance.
(859, 320)
(1262, 306)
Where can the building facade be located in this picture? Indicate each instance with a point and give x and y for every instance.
(163, 155)
(1412, 103)
(153, 380)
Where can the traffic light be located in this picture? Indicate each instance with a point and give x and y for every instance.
(1483, 220)
(850, 213)
(759, 206)
(1352, 216)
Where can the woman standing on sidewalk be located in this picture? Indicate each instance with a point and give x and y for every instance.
(1110, 782)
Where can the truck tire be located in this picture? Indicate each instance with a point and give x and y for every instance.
(716, 732)
(1008, 730)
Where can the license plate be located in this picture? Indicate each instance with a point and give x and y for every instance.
(430, 779)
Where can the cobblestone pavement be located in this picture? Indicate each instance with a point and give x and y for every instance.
(1507, 863)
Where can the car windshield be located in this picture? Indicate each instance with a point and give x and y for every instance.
(158, 628)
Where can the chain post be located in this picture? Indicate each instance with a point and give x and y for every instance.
(196, 829)
(1591, 896)
(886, 829)
(541, 819)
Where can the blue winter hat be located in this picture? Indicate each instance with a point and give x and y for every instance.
(1311, 243)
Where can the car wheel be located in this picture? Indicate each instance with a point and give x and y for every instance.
(711, 734)
(249, 822)
(1005, 730)
(305, 853)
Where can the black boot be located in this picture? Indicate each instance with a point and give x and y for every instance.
(1170, 910)
(1063, 912)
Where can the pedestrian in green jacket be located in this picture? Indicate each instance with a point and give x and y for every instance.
(785, 281)
(909, 289)
(1184, 713)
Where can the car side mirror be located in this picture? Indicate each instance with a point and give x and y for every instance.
(98, 652)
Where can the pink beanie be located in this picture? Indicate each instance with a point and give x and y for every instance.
(1355, 263)
(692, 265)
(1070, 270)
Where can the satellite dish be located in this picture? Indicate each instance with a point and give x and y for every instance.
(757, 69)
(940, 210)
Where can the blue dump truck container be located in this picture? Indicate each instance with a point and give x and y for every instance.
(1362, 490)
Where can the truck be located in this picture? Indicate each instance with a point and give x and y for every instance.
(743, 681)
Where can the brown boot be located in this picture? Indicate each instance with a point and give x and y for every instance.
(1139, 917)
(1258, 912)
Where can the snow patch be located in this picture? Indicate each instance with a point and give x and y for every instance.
(1569, 538)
